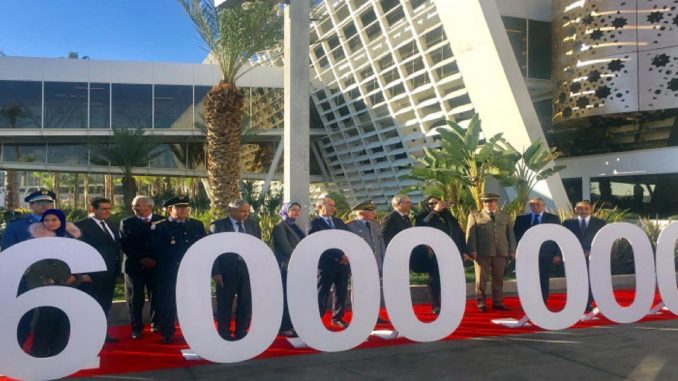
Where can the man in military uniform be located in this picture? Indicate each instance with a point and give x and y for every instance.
(170, 239)
(230, 273)
(491, 240)
(16, 232)
(135, 233)
(366, 226)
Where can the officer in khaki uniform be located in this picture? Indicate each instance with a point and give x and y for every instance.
(491, 240)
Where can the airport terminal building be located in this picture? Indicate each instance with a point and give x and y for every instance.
(596, 79)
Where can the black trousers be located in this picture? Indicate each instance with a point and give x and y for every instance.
(101, 288)
(434, 283)
(138, 284)
(337, 275)
(165, 280)
(286, 323)
(545, 266)
(51, 332)
(236, 282)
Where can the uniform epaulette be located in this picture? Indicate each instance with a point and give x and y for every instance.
(154, 223)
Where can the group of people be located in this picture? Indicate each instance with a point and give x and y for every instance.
(154, 245)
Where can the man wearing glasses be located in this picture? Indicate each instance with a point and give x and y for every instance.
(16, 232)
(549, 254)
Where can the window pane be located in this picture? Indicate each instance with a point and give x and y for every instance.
(67, 154)
(27, 153)
(539, 52)
(99, 105)
(65, 105)
(200, 93)
(132, 106)
(20, 104)
(169, 156)
(173, 106)
(516, 29)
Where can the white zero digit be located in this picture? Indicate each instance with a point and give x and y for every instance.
(397, 284)
(666, 266)
(87, 319)
(194, 297)
(302, 296)
(527, 276)
(600, 274)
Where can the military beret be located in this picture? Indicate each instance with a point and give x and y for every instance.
(176, 201)
(41, 195)
(486, 196)
(365, 205)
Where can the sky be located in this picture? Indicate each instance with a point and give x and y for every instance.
(129, 30)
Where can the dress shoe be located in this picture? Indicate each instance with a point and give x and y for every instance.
(155, 328)
(339, 323)
(482, 308)
(289, 333)
(167, 339)
(136, 335)
(382, 321)
(111, 339)
(435, 310)
(500, 307)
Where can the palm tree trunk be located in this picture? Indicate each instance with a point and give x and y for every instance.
(129, 188)
(12, 187)
(223, 112)
(55, 187)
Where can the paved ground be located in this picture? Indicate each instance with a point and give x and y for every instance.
(646, 351)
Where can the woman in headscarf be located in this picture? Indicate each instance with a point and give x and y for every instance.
(286, 235)
(51, 331)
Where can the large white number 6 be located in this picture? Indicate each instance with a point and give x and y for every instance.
(87, 319)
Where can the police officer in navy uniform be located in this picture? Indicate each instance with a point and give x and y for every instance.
(170, 239)
(16, 232)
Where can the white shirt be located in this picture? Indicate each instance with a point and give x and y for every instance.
(107, 229)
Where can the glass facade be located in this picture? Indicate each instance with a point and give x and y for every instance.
(74, 105)
(531, 43)
(65, 105)
(20, 104)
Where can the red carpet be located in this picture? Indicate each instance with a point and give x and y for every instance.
(149, 354)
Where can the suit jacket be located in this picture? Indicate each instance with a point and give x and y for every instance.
(330, 257)
(229, 263)
(135, 241)
(372, 236)
(393, 224)
(524, 221)
(108, 247)
(585, 238)
(169, 241)
(284, 239)
(490, 238)
(446, 223)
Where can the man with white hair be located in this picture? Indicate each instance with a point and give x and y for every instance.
(139, 267)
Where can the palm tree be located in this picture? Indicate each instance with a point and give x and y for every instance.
(13, 112)
(233, 37)
(533, 166)
(128, 149)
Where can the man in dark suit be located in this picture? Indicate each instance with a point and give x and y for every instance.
(549, 254)
(139, 266)
(98, 233)
(399, 219)
(230, 273)
(170, 239)
(333, 267)
(585, 227)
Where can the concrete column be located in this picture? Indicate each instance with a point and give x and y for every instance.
(585, 188)
(296, 134)
(493, 79)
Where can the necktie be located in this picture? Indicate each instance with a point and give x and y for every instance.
(582, 226)
(146, 220)
(330, 223)
(535, 219)
(241, 228)
(492, 216)
(407, 221)
(108, 232)
(367, 225)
